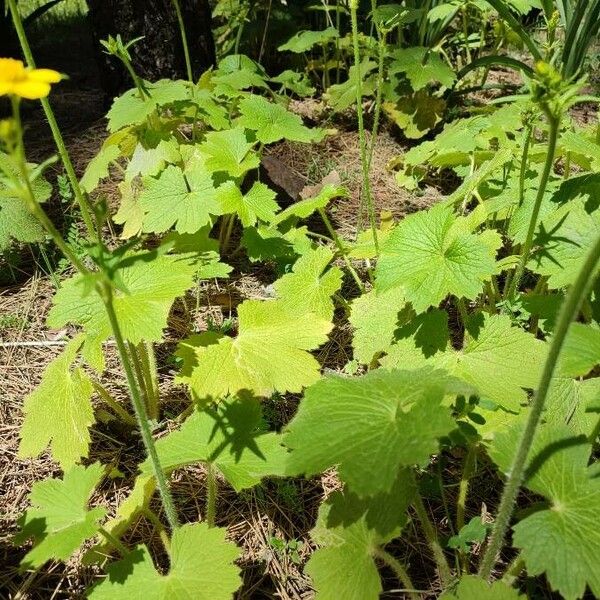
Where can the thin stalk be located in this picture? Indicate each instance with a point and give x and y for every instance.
(211, 495)
(463, 489)
(136, 363)
(162, 534)
(568, 313)
(524, 163)
(137, 81)
(114, 541)
(82, 201)
(184, 41)
(336, 238)
(113, 404)
(432, 540)
(399, 570)
(366, 187)
(147, 358)
(526, 250)
(515, 568)
(378, 96)
(140, 410)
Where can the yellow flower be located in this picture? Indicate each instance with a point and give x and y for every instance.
(17, 80)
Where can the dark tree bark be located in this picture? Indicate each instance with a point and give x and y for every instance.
(160, 54)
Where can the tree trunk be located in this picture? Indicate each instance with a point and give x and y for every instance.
(160, 54)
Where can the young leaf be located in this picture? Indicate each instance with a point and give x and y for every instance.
(303, 41)
(431, 256)
(370, 426)
(130, 213)
(270, 353)
(273, 122)
(228, 437)
(349, 530)
(202, 567)
(499, 360)
(471, 587)
(375, 318)
(151, 160)
(309, 288)
(558, 470)
(184, 199)
(59, 520)
(473, 531)
(152, 286)
(229, 151)
(343, 95)
(98, 167)
(59, 411)
(258, 203)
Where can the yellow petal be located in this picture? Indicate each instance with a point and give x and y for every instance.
(32, 90)
(11, 69)
(44, 75)
(5, 88)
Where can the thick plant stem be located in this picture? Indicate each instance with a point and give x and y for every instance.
(382, 46)
(432, 540)
(336, 239)
(84, 206)
(114, 541)
(140, 410)
(184, 41)
(147, 358)
(568, 313)
(366, 187)
(399, 570)
(533, 223)
(211, 495)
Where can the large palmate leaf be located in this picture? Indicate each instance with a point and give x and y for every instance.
(152, 283)
(59, 520)
(258, 203)
(130, 213)
(201, 567)
(229, 437)
(471, 587)
(566, 239)
(375, 318)
(273, 122)
(130, 109)
(431, 254)
(184, 199)
(581, 350)
(421, 67)
(499, 360)
(229, 151)
(343, 95)
(59, 411)
(309, 287)
(270, 353)
(569, 402)
(349, 530)
(151, 160)
(558, 471)
(370, 426)
(416, 113)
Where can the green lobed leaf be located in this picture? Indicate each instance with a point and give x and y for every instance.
(303, 41)
(229, 151)
(497, 359)
(370, 426)
(152, 283)
(273, 122)
(258, 203)
(98, 168)
(421, 66)
(202, 567)
(59, 411)
(59, 520)
(270, 353)
(306, 207)
(229, 437)
(309, 287)
(431, 255)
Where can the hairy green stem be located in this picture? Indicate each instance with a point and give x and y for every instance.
(140, 410)
(184, 41)
(533, 223)
(399, 570)
(147, 358)
(432, 539)
(338, 242)
(524, 163)
(382, 46)
(569, 310)
(211, 495)
(82, 201)
(515, 568)
(366, 186)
